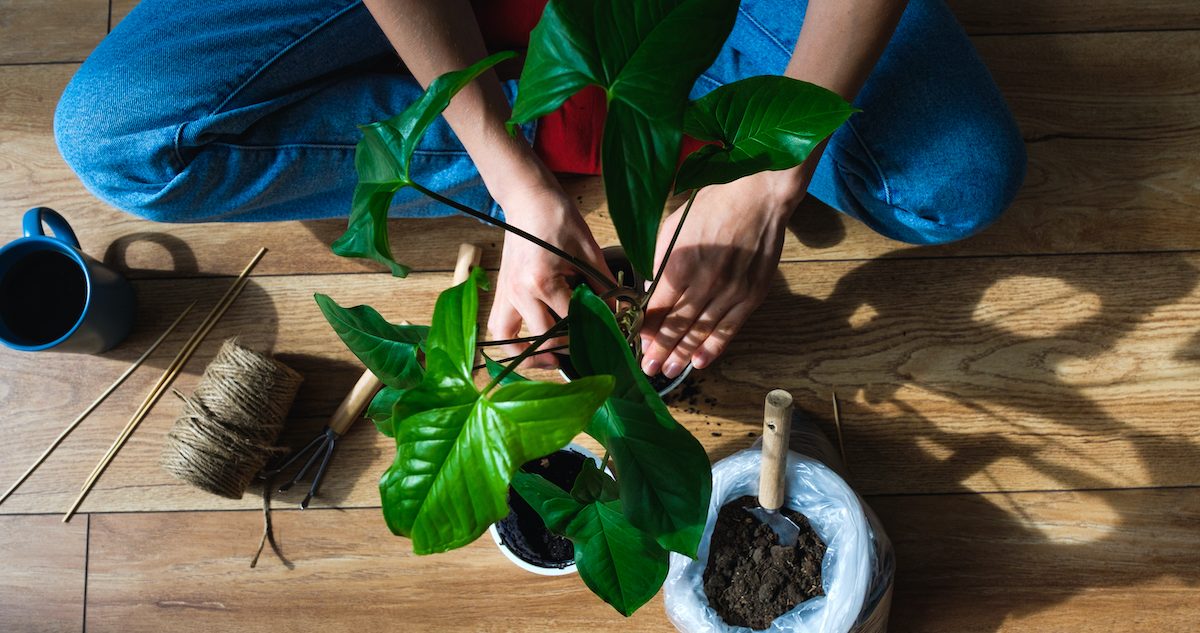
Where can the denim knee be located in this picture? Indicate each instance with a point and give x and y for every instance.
(118, 149)
(955, 189)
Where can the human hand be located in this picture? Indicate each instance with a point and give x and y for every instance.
(720, 269)
(534, 282)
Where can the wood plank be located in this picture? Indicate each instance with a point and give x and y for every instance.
(982, 17)
(42, 566)
(1111, 120)
(1074, 16)
(32, 31)
(985, 374)
(350, 574)
(120, 9)
(1120, 561)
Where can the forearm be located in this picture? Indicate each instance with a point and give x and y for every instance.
(434, 37)
(838, 47)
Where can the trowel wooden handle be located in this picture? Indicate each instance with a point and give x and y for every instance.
(360, 396)
(355, 402)
(777, 425)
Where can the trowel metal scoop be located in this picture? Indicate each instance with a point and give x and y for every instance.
(777, 426)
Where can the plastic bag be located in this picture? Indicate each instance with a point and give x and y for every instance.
(858, 566)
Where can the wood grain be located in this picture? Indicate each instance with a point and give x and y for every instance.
(120, 9)
(991, 374)
(350, 574)
(34, 31)
(1073, 16)
(1117, 561)
(1111, 122)
(41, 574)
(1112, 561)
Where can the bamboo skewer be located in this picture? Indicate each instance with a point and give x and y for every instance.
(181, 359)
(165, 380)
(96, 403)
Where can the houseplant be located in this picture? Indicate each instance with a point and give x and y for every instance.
(459, 446)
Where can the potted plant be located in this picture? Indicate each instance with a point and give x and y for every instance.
(460, 446)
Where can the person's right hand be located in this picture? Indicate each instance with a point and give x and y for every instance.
(534, 284)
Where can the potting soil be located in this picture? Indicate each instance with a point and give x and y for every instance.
(750, 578)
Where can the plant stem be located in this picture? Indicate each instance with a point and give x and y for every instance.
(548, 350)
(554, 331)
(480, 215)
(670, 248)
(507, 341)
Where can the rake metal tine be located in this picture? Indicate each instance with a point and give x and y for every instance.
(307, 465)
(316, 484)
(293, 457)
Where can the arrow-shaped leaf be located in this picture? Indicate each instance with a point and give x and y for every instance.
(646, 56)
(388, 350)
(760, 123)
(456, 447)
(664, 473)
(382, 159)
(618, 562)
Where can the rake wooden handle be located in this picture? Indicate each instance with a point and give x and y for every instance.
(777, 426)
(355, 402)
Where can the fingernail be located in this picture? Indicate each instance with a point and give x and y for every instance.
(672, 369)
(650, 367)
(699, 361)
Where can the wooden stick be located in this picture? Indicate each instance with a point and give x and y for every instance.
(165, 380)
(96, 403)
(352, 406)
(837, 425)
(180, 359)
(777, 426)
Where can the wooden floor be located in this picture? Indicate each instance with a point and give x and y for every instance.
(1021, 409)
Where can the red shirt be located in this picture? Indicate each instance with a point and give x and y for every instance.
(568, 139)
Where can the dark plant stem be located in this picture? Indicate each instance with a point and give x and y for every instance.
(554, 331)
(670, 248)
(507, 341)
(479, 215)
(548, 350)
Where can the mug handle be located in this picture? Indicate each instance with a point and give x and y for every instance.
(32, 223)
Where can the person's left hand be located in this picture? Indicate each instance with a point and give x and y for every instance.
(720, 269)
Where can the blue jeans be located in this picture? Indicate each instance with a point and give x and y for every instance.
(246, 110)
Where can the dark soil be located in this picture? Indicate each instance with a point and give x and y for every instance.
(523, 531)
(750, 578)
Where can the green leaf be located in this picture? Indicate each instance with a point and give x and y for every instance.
(389, 351)
(380, 409)
(383, 158)
(761, 123)
(618, 562)
(553, 504)
(457, 448)
(665, 476)
(593, 484)
(646, 56)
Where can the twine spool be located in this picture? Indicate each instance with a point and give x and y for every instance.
(229, 425)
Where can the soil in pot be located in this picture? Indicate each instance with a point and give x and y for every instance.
(524, 532)
(751, 579)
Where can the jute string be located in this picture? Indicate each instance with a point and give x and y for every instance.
(229, 425)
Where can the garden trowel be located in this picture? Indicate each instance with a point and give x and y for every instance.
(777, 426)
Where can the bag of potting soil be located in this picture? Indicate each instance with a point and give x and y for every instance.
(858, 563)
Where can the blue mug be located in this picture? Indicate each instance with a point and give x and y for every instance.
(55, 297)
